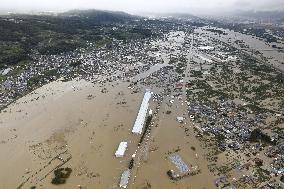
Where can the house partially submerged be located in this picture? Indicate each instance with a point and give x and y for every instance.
(121, 149)
(180, 119)
(139, 123)
(179, 163)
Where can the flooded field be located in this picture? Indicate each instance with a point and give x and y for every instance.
(77, 122)
(73, 118)
(250, 44)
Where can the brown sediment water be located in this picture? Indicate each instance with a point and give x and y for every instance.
(76, 120)
(74, 116)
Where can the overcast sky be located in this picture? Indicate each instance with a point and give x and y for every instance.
(139, 6)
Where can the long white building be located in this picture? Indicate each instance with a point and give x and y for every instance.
(140, 120)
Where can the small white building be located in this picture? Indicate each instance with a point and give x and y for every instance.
(6, 71)
(206, 48)
(150, 112)
(205, 59)
(180, 119)
(121, 149)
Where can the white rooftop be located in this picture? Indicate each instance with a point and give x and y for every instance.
(180, 119)
(139, 123)
(124, 179)
(205, 59)
(121, 149)
(6, 71)
(206, 48)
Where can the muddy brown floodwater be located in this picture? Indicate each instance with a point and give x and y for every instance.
(77, 122)
(75, 117)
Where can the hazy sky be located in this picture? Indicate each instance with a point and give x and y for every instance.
(135, 6)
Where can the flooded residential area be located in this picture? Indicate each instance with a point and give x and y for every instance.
(171, 101)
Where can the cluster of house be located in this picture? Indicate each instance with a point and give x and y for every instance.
(233, 127)
(109, 63)
(226, 121)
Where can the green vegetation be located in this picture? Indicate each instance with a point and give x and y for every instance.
(168, 112)
(180, 68)
(61, 175)
(133, 33)
(131, 163)
(75, 64)
(147, 125)
(224, 169)
(220, 138)
(196, 74)
(177, 177)
(257, 135)
(262, 175)
(282, 178)
(41, 79)
(12, 52)
(279, 78)
(21, 35)
(59, 46)
(256, 108)
(220, 32)
(205, 92)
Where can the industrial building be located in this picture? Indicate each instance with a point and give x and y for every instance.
(139, 123)
(124, 179)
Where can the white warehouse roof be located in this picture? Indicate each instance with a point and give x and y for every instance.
(124, 179)
(121, 149)
(139, 123)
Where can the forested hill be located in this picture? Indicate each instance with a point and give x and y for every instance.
(20, 34)
(99, 16)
